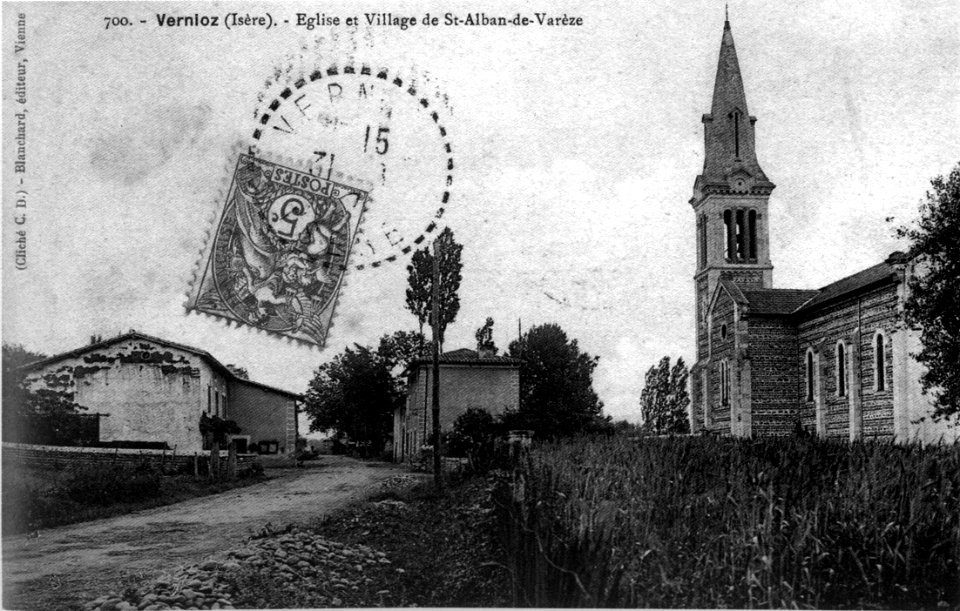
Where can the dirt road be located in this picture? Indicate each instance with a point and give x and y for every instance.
(70, 565)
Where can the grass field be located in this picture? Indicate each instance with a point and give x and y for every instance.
(706, 522)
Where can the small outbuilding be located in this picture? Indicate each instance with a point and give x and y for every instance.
(468, 378)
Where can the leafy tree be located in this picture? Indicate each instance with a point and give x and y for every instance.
(484, 337)
(935, 291)
(40, 416)
(664, 398)
(354, 395)
(420, 282)
(398, 352)
(556, 384)
(401, 348)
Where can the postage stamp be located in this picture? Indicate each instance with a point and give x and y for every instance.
(278, 254)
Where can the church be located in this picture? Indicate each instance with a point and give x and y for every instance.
(835, 361)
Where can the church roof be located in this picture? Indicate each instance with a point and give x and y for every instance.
(799, 301)
(878, 274)
(777, 301)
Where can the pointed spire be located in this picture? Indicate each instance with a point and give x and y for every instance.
(728, 87)
(728, 129)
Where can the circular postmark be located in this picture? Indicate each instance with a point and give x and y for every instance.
(374, 126)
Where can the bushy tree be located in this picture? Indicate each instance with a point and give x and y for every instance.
(935, 291)
(664, 399)
(43, 415)
(354, 395)
(420, 282)
(556, 384)
(401, 348)
(472, 437)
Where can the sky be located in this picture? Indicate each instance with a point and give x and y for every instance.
(576, 147)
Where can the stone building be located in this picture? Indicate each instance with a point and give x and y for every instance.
(467, 379)
(836, 360)
(149, 389)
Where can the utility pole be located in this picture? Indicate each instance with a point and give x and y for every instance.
(437, 475)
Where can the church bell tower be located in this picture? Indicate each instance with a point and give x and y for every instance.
(730, 196)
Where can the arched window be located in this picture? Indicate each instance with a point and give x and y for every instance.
(728, 232)
(703, 241)
(810, 374)
(879, 363)
(724, 384)
(752, 233)
(841, 370)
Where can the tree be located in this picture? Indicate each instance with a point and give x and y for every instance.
(664, 398)
(354, 395)
(556, 384)
(398, 353)
(935, 292)
(472, 437)
(43, 415)
(420, 282)
(400, 349)
(484, 337)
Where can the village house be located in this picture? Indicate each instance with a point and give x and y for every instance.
(148, 389)
(835, 361)
(468, 378)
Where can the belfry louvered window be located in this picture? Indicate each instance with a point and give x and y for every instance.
(740, 230)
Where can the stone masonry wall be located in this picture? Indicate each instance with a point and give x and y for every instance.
(721, 350)
(855, 321)
(772, 350)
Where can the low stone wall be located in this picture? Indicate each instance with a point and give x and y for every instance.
(55, 457)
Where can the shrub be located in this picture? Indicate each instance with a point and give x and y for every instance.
(26, 506)
(472, 437)
(105, 485)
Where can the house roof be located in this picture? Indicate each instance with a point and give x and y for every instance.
(777, 301)
(269, 388)
(136, 335)
(465, 356)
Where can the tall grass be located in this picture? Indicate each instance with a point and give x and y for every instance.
(706, 522)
